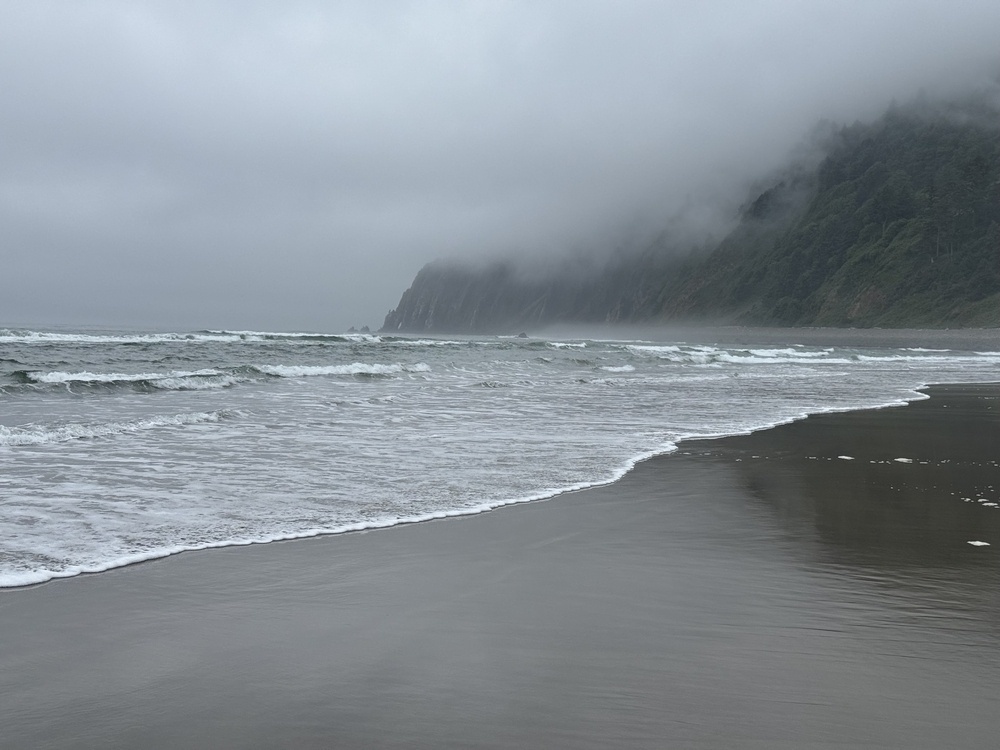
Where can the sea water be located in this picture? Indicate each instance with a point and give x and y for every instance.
(121, 446)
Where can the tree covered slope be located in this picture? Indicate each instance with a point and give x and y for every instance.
(898, 226)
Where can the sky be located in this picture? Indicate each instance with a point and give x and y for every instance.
(291, 165)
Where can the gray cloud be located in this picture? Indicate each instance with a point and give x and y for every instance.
(292, 165)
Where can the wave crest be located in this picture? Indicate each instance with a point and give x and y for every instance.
(357, 368)
(39, 435)
(196, 380)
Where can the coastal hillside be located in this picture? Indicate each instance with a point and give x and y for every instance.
(898, 225)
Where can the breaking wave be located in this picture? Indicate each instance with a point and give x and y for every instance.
(206, 379)
(18, 336)
(357, 368)
(40, 435)
(197, 380)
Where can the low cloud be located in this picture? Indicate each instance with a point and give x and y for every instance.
(244, 165)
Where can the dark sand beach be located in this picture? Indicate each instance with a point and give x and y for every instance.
(750, 592)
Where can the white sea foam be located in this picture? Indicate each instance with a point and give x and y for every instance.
(180, 380)
(356, 368)
(210, 336)
(429, 342)
(653, 348)
(301, 335)
(190, 384)
(41, 435)
(755, 358)
(48, 337)
(618, 368)
(9, 579)
(113, 377)
(713, 356)
(795, 353)
(950, 357)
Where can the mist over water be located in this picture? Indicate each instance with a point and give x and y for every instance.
(119, 446)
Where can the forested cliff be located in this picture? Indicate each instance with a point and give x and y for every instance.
(898, 225)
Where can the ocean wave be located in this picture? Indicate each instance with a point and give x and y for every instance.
(356, 368)
(199, 380)
(795, 353)
(753, 358)
(714, 356)
(425, 342)
(8, 335)
(40, 435)
(196, 380)
(953, 357)
(107, 377)
(493, 384)
(296, 336)
(48, 337)
(652, 348)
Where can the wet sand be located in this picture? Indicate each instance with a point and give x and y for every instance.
(751, 592)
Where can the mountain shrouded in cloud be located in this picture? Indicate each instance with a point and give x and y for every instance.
(252, 165)
(897, 226)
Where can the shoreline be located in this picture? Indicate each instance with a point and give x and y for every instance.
(919, 393)
(751, 591)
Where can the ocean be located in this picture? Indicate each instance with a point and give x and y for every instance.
(120, 446)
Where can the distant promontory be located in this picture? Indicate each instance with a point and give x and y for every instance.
(897, 225)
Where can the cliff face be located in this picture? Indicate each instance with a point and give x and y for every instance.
(452, 297)
(898, 226)
(498, 298)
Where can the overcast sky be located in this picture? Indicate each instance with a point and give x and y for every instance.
(291, 165)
